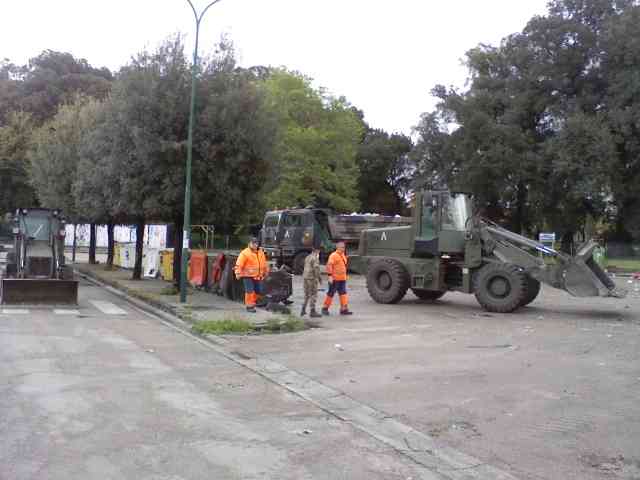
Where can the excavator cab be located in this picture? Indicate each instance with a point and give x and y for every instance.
(441, 219)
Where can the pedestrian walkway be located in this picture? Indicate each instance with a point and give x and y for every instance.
(93, 307)
(200, 305)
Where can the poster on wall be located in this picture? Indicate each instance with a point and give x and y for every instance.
(154, 235)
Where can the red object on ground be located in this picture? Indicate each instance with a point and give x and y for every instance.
(198, 268)
(215, 269)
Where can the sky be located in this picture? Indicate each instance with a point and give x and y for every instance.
(384, 56)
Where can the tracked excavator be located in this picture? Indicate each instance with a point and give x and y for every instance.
(448, 248)
(35, 272)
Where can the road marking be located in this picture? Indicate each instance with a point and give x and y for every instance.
(7, 311)
(67, 312)
(108, 307)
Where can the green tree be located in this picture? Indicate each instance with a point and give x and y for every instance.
(621, 107)
(317, 146)
(140, 149)
(15, 189)
(534, 135)
(55, 78)
(385, 172)
(96, 186)
(55, 156)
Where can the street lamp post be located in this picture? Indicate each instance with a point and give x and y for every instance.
(186, 233)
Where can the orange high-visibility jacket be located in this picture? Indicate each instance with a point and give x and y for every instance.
(252, 264)
(337, 266)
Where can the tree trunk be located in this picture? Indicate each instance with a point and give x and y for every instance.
(519, 216)
(75, 243)
(566, 244)
(110, 244)
(92, 244)
(177, 250)
(137, 269)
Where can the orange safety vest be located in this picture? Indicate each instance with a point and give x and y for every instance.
(337, 266)
(252, 264)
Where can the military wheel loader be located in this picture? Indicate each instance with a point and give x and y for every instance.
(447, 248)
(35, 272)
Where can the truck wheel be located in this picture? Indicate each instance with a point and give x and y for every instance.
(427, 294)
(387, 281)
(297, 265)
(500, 287)
(533, 289)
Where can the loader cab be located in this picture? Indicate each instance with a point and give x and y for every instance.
(440, 223)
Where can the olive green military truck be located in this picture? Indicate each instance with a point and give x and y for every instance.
(447, 248)
(289, 235)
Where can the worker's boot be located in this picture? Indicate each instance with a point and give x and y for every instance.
(303, 312)
(251, 309)
(344, 305)
(325, 311)
(314, 314)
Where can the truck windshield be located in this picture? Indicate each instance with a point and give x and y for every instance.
(456, 210)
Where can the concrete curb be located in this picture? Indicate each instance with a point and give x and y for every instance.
(436, 461)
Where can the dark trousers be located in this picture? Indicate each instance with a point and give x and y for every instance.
(253, 290)
(251, 285)
(339, 286)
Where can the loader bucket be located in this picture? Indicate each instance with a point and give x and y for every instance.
(48, 291)
(583, 277)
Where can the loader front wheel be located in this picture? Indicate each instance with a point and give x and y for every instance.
(427, 294)
(387, 281)
(500, 287)
(533, 289)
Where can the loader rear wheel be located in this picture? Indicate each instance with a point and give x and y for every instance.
(533, 289)
(500, 287)
(427, 294)
(387, 281)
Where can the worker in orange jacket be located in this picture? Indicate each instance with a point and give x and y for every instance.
(252, 268)
(337, 273)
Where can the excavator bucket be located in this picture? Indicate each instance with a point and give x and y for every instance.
(16, 291)
(583, 277)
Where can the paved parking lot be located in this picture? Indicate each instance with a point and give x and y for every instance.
(548, 392)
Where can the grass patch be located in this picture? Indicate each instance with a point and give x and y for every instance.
(219, 327)
(170, 290)
(285, 324)
(623, 263)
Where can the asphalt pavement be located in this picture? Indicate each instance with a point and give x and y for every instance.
(434, 390)
(107, 391)
(548, 392)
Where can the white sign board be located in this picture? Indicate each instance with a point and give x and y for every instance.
(547, 237)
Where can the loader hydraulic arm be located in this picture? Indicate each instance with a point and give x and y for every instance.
(581, 276)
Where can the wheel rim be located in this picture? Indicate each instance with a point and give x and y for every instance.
(499, 287)
(384, 281)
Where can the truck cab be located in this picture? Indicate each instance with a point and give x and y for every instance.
(289, 235)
